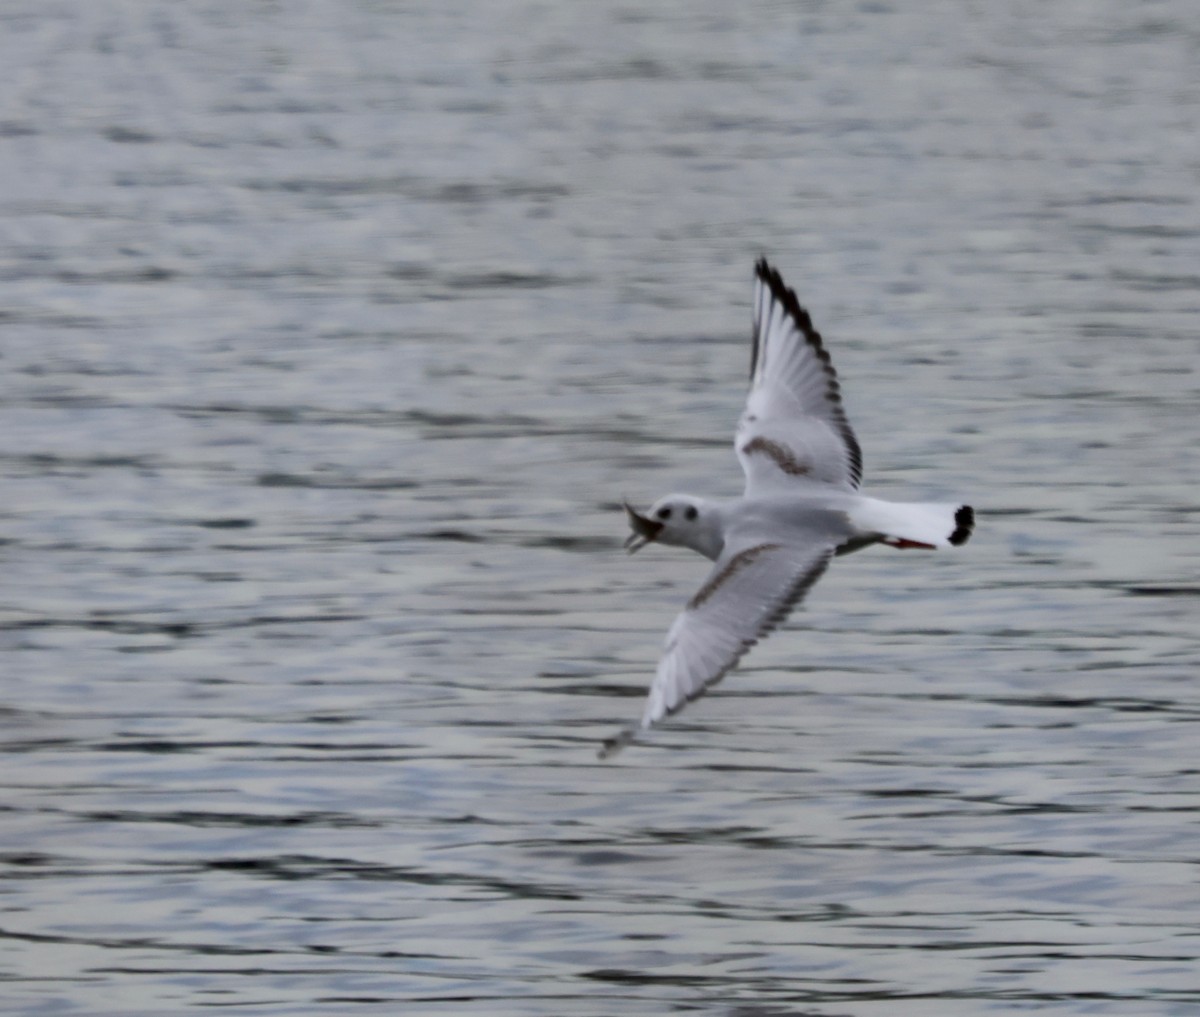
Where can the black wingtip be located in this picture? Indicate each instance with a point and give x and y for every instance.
(781, 291)
(964, 525)
(768, 274)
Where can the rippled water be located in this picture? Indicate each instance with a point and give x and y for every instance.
(333, 336)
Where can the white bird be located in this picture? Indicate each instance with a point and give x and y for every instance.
(801, 507)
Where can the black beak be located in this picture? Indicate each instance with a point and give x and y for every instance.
(644, 530)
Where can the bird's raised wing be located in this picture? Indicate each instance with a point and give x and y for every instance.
(794, 429)
(750, 590)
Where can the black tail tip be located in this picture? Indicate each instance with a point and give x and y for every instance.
(964, 525)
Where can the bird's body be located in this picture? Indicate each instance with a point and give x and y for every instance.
(800, 509)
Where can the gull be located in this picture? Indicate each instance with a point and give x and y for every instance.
(801, 508)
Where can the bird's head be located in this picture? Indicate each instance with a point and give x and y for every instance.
(677, 519)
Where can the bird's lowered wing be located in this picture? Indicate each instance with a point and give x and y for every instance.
(750, 590)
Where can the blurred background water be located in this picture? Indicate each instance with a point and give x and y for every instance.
(333, 335)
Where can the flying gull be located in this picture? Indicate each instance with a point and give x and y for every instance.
(800, 509)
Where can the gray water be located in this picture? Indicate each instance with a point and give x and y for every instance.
(334, 334)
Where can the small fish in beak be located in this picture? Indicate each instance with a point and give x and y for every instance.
(644, 530)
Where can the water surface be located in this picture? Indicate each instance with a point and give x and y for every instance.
(335, 335)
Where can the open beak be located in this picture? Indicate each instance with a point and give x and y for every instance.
(644, 530)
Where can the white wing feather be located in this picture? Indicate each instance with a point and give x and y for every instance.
(794, 429)
(750, 590)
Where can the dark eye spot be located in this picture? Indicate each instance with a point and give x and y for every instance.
(691, 512)
(664, 513)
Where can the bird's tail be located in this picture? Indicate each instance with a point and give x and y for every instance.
(915, 524)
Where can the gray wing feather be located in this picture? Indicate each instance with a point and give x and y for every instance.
(794, 427)
(751, 589)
